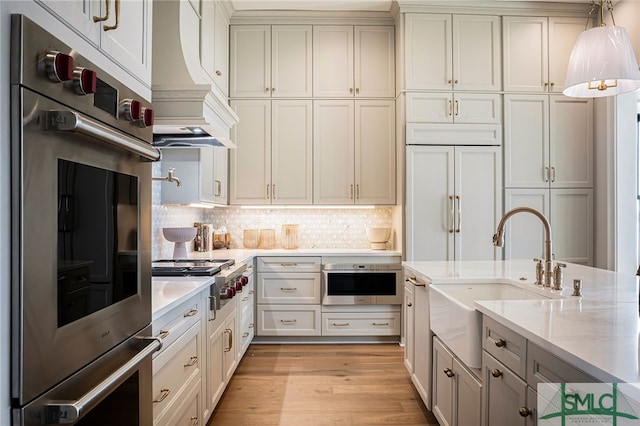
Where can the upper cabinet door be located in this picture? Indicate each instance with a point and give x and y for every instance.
(214, 43)
(374, 64)
(428, 41)
(525, 42)
(333, 61)
(250, 61)
(78, 14)
(291, 61)
(563, 33)
(476, 53)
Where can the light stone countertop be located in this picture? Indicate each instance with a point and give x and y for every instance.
(598, 332)
(169, 292)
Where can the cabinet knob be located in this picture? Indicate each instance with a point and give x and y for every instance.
(496, 373)
(455, 81)
(448, 372)
(449, 81)
(218, 73)
(501, 343)
(409, 304)
(351, 90)
(525, 411)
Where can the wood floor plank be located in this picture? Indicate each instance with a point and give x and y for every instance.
(318, 385)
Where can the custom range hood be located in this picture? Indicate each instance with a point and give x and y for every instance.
(190, 109)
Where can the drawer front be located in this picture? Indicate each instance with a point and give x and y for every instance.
(295, 288)
(544, 367)
(172, 325)
(174, 368)
(361, 324)
(505, 345)
(185, 411)
(289, 264)
(288, 320)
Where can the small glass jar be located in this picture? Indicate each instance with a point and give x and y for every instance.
(290, 236)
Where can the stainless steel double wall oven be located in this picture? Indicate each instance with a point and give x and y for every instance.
(81, 239)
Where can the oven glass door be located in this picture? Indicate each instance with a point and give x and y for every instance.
(81, 248)
(361, 284)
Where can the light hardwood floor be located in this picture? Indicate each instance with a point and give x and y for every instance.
(309, 385)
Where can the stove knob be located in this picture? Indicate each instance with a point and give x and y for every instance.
(84, 81)
(245, 280)
(58, 66)
(147, 117)
(239, 286)
(231, 292)
(131, 110)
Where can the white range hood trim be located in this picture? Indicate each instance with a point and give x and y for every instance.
(192, 105)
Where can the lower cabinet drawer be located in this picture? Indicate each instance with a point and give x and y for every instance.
(288, 320)
(174, 368)
(187, 410)
(544, 367)
(361, 324)
(505, 345)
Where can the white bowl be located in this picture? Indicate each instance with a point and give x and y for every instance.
(180, 236)
(378, 237)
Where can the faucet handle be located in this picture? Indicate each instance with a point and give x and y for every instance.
(539, 271)
(558, 276)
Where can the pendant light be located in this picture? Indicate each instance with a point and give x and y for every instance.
(602, 61)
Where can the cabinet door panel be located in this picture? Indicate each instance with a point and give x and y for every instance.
(563, 33)
(476, 52)
(333, 61)
(428, 51)
(478, 201)
(526, 140)
(429, 108)
(572, 225)
(504, 394)
(333, 149)
(422, 343)
(571, 142)
(221, 47)
(375, 152)
(467, 397)
(443, 383)
(374, 62)
(291, 152)
(408, 330)
(429, 213)
(524, 233)
(250, 164)
(525, 66)
(477, 108)
(250, 61)
(79, 15)
(291, 61)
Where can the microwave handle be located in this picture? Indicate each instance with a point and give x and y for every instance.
(67, 412)
(74, 122)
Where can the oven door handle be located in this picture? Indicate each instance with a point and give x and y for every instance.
(68, 412)
(74, 122)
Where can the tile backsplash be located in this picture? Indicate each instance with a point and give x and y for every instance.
(317, 227)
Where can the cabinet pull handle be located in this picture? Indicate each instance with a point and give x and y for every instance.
(448, 372)
(288, 264)
(288, 321)
(381, 324)
(273, 191)
(212, 307)
(501, 343)
(409, 304)
(288, 288)
(496, 373)
(163, 334)
(414, 281)
(194, 421)
(230, 333)
(525, 411)
(245, 334)
(457, 108)
(351, 192)
(191, 313)
(450, 105)
(244, 299)
(266, 196)
(459, 215)
(164, 393)
(553, 174)
(192, 361)
(218, 185)
(452, 217)
(251, 292)
(251, 325)
(344, 324)
(107, 4)
(351, 90)
(546, 174)
(115, 26)
(357, 191)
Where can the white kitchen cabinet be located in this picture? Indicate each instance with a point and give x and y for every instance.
(246, 313)
(127, 44)
(354, 152)
(202, 173)
(537, 50)
(214, 42)
(273, 161)
(548, 141)
(453, 202)
(360, 323)
(570, 213)
(270, 61)
(408, 316)
(353, 61)
(452, 52)
(504, 394)
(457, 391)
(454, 107)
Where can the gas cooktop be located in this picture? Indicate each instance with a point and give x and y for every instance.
(189, 267)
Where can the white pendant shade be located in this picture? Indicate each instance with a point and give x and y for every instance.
(602, 63)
